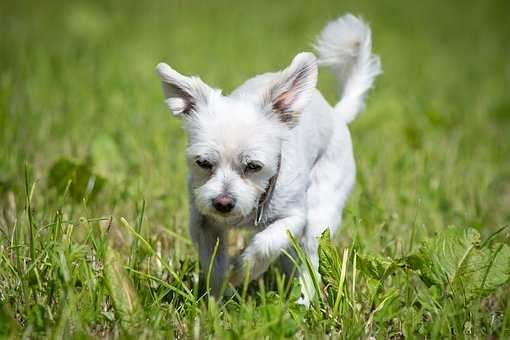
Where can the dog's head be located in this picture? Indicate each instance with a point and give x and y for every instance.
(234, 141)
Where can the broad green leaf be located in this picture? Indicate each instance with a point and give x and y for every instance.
(329, 266)
(496, 270)
(376, 267)
(456, 262)
(83, 181)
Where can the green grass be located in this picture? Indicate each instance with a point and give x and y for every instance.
(108, 254)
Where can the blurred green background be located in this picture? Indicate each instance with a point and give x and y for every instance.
(79, 96)
(77, 81)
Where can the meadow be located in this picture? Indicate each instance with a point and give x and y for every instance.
(93, 195)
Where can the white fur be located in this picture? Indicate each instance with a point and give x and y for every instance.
(273, 116)
(345, 44)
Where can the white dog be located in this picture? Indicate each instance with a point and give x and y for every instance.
(273, 155)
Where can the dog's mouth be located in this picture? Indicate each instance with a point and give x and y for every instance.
(231, 218)
(228, 219)
(241, 213)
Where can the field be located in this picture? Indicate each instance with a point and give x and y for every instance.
(93, 196)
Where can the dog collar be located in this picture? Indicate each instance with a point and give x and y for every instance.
(266, 195)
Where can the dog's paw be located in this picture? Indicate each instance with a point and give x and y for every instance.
(303, 301)
(251, 262)
(267, 244)
(236, 275)
(256, 258)
(307, 289)
(258, 255)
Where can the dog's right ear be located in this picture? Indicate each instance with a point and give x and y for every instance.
(292, 89)
(182, 94)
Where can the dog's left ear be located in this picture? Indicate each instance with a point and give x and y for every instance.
(293, 88)
(182, 93)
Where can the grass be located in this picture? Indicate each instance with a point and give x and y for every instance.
(93, 203)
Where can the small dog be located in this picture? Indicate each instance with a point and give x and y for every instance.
(273, 155)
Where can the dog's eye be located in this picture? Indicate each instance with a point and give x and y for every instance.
(254, 166)
(204, 164)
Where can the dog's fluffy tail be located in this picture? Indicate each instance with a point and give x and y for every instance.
(345, 44)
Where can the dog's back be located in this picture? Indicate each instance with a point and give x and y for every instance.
(345, 45)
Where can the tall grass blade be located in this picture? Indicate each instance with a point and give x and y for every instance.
(121, 290)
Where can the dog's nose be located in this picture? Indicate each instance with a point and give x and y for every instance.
(224, 203)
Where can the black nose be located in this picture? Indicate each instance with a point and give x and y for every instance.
(224, 203)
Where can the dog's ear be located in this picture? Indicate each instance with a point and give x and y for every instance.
(292, 89)
(182, 94)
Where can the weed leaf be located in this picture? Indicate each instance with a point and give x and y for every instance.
(456, 262)
(329, 266)
(376, 267)
(77, 178)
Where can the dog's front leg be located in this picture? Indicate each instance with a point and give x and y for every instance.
(206, 235)
(266, 246)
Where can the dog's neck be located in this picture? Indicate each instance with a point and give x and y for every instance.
(266, 195)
